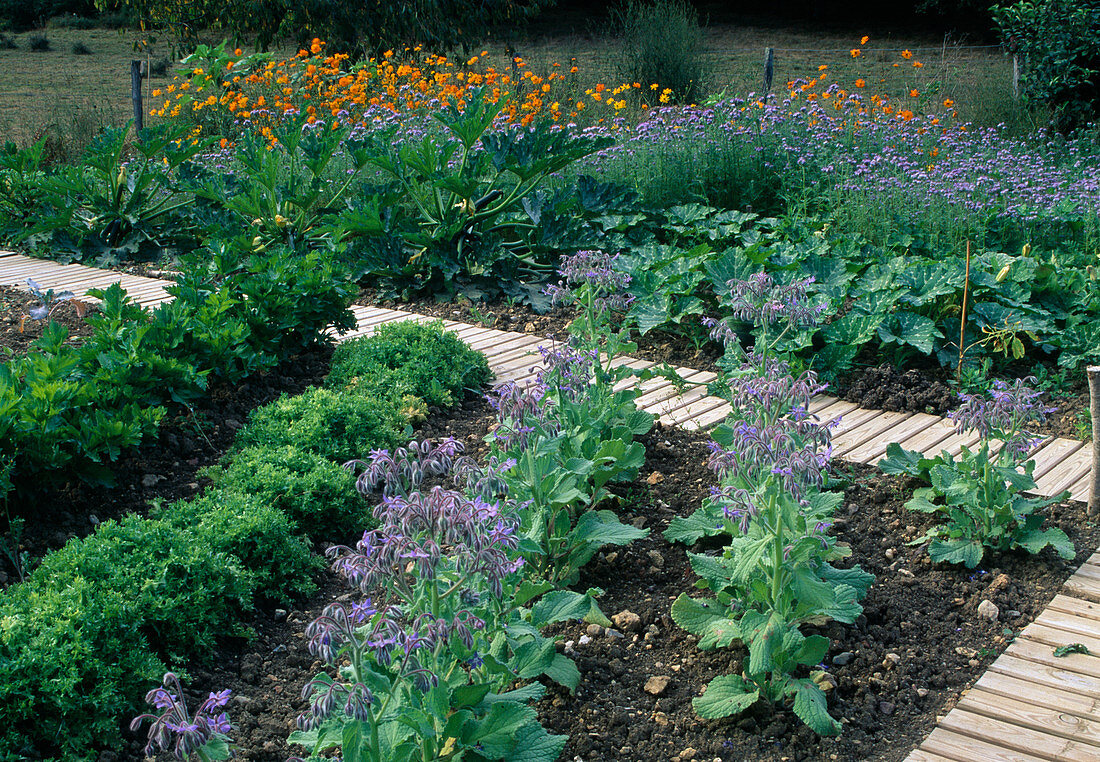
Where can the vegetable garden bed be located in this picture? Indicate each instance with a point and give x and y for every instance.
(925, 616)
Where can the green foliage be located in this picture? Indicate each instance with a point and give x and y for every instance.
(113, 206)
(371, 28)
(73, 659)
(410, 358)
(178, 588)
(469, 218)
(662, 44)
(338, 427)
(318, 495)
(26, 14)
(1059, 46)
(981, 499)
(262, 537)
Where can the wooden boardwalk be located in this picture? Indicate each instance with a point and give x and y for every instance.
(1030, 706)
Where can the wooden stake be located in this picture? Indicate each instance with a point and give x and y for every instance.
(1094, 408)
(962, 323)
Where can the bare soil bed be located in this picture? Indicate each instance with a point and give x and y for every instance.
(919, 643)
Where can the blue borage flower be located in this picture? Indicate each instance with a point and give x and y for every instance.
(175, 729)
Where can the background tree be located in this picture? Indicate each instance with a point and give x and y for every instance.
(1059, 46)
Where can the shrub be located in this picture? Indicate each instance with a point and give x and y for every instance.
(339, 427)
(317, 494)
(7, 43)
(80, 49)
(425, 362)
(662, 44)
(159, 67)
(72, 660)
(179, 590)
(38, 42)
(1059, 45)
(262, 537)
(72, 21)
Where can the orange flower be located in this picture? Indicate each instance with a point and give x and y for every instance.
(823, 67)
(856, 52)
(918, 65)
(947, 103)
(863, 41)
(906, 54)
(861, 83)
(913, 94)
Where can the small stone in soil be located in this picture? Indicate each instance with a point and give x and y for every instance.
(987, 609)
(594, 630)
(627, 621)
(843, 658)
(657, 684)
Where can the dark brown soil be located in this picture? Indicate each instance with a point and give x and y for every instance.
(926, 390)
(162, 468)
(919, 643)
(18, 329)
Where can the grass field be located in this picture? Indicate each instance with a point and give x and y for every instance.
(71, 96)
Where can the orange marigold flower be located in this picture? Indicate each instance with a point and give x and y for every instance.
(238, 52)
(918, 65)
(572, 69)
(856, 52)
(864, 39)
(913, 94)
(823, 67)
(861, 83)
(947, 102)
(906, 54)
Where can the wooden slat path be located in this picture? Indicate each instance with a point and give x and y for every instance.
(1030, 706)
(859, 436)
(16, 268)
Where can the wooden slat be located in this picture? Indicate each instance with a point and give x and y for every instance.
(929, 440)
(658, 395)
(1069, 624)
(1053, 453)
(819, 402)
(1076, 607)
(1067, 473)
(873, 451)
(1017, 738)
(1041, 653)
(689, 396)
(1049, 675)
(1080, 490)
(871, 431)
(998, 684)
(1083, 587)
(960, 748)
(1056, 638)
(835, 410)
(699, 420)
(1026, 714)
(921, 755)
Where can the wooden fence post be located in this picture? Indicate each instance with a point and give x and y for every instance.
(769, 70)
(1094, 408)
(135, 95)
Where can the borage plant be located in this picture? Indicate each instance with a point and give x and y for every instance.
(571, 432)
(424, 661)
(205, 733)
(980, 493)
(776, 573)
